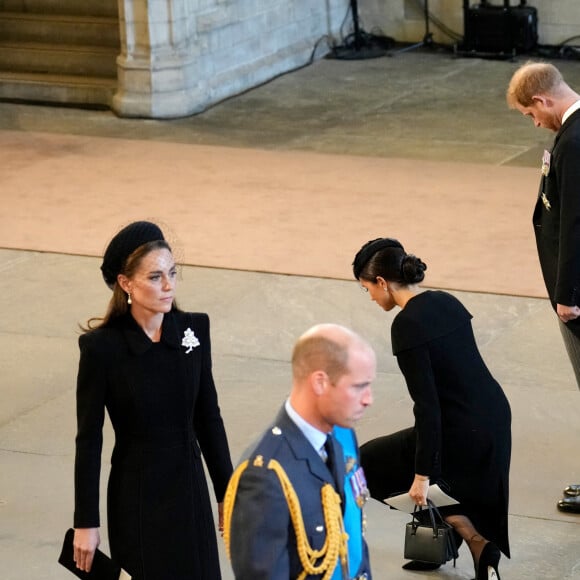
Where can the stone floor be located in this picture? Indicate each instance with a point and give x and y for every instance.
(421, 105)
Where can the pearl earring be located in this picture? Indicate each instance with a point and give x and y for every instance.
(129, 301)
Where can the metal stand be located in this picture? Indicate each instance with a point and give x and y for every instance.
(427, 39)
(359, 45)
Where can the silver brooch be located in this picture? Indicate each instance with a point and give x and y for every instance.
(189, 341)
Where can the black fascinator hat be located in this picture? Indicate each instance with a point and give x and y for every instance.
(124, 244)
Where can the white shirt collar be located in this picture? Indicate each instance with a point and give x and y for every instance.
(572, 109)
(316, 437)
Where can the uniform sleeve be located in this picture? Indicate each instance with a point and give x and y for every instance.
(415, 364)
(259, 535)
(209, 425)
(90, 402)
(568, 275)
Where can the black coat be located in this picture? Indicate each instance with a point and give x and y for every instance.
(163, 406)
(462, 432)
(557, 219)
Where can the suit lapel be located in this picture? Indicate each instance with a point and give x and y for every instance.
(303, 450)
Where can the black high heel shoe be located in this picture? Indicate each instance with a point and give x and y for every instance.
(487, 567)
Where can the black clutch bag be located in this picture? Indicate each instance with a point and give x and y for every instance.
(103, 567)
(429, 541)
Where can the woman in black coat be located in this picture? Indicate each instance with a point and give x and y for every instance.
(462, 433)
(149, 365)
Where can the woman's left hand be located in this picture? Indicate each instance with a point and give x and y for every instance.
(420, 489)
(221, 518)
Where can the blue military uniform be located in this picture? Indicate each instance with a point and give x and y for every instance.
(262, 538)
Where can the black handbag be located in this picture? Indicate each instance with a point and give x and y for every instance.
(429, 541)
(103, 567)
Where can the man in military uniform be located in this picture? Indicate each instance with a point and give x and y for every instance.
(294, 507)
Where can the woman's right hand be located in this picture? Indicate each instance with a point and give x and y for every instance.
(420, 489)
(85, 544)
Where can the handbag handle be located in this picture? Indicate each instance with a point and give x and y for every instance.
(433, 511)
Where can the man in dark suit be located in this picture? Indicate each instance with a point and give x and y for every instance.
(538, 91)
(290, 503)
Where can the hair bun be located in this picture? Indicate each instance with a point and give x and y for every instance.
(412, 269)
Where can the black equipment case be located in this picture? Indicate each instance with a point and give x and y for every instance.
(499, 30)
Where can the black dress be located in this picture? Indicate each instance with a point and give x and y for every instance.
(163, 406)
(462, 433)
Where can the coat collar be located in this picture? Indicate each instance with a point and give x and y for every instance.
(303, 450)
(575, 116)
(139, 342)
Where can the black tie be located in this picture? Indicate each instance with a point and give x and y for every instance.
(331, 458)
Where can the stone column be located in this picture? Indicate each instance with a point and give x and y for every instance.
(158, 60)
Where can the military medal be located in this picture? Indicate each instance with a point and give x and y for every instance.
(546, 160)
(360, 491)
(546, 163)
(349, 464)
(546, 201)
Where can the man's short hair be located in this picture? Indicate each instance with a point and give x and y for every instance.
(531, 79)
(317, 352)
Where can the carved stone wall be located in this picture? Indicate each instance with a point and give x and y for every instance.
(181, 56)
